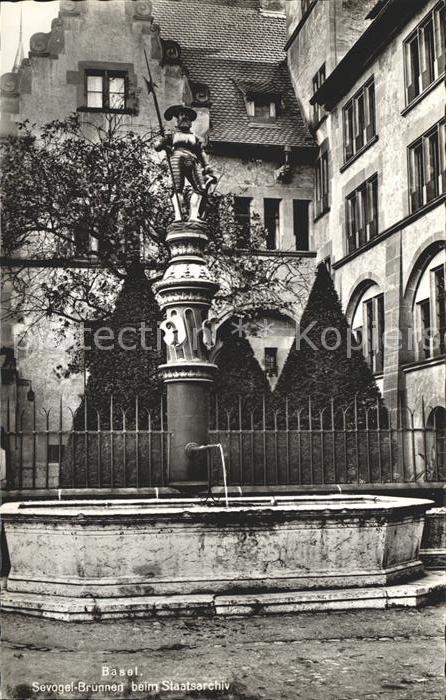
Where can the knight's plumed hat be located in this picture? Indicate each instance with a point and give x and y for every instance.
(175, 110)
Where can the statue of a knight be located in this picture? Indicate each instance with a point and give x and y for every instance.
(189, 162)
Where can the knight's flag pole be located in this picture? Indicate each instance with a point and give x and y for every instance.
(151, 91)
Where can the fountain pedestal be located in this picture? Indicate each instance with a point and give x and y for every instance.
(187, 419)
(185, 294)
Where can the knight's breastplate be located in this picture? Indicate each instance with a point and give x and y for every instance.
(185, 144)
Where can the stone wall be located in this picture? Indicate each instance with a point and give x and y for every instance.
(311, 48)
(255, 177)
(328, 32)
(112, 34)
(350, 22)
(426, 381)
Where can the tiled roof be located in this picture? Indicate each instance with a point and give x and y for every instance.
(229, 118)
(227, 29)
(228, 47)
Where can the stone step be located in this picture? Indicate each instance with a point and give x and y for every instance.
(428, 589)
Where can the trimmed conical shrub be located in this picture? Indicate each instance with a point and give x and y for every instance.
(325, 362)
(122, 358)
(129, 368)
(240, 379)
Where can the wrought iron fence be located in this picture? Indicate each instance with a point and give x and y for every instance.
(264, 445)
(87, 448)
(280, 445)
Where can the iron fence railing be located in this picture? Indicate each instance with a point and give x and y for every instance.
(106, 447)
(265, 444)
(271, 444)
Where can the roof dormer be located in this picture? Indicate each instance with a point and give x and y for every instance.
(262, 99)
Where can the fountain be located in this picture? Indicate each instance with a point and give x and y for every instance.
(85, 560)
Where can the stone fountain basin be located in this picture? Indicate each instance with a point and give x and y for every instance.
(151, 547)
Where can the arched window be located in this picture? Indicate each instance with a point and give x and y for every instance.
(368, 326)
(429, 310)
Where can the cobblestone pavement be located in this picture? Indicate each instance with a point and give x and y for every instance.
(367, 655)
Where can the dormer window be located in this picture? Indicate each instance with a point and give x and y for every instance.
(262, 99)
(262, 108)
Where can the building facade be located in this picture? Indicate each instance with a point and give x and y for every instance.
(93, 62)
(370, 79)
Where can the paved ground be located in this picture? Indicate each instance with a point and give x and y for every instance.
(367, 655)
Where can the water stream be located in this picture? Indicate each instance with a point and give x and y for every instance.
(225, 480)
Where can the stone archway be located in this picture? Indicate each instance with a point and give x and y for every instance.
(362, 284)
(419, 264)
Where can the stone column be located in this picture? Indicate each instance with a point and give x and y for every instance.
(185, 294)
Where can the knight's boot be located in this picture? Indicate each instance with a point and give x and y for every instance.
(177, 201)
(195, 203)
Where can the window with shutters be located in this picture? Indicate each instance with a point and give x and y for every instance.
(321, 204)
(359, 120)
(424, 53)
(427, 174)
(362, 214)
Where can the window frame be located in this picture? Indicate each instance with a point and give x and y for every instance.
(360, 138)
(301, 232)
(319, 78)
(372, 332)
(439, 306)
(434, 188)
(275, 204)
(54, 448)
(359, 205)
(271, 364)
(430, 317)
(257, 101)
(425, 350)
(106, 75)
(436, 68)
(322, 185)
(243, 220)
